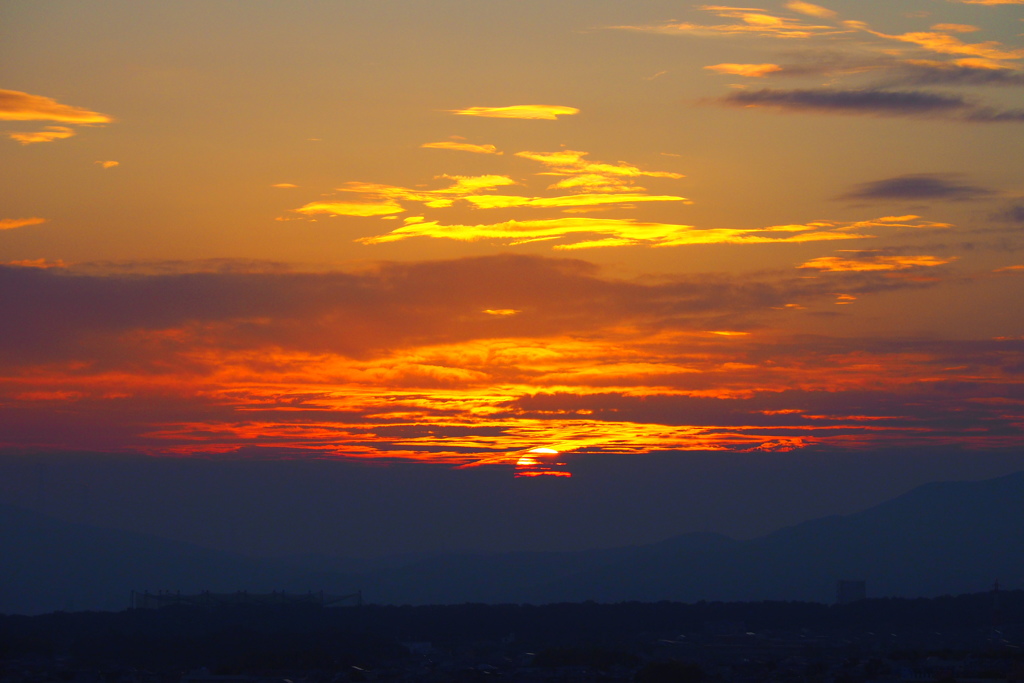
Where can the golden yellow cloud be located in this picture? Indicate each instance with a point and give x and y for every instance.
(547, 112)
(21, 106)
(501, 201)
(462, 147)
(582, 175)
(593, 185)
(284, 186)
(591, 233)
(461, 187)
(12, 223)
(571, 162)
(350, 208)
(108, 164)
(382, 200)
(748, 70)
(838, 264)
(48, 134)
(810, 9)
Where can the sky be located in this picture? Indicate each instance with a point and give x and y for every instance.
(438, 245)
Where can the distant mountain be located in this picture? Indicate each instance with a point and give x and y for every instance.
(942, 538)
(48, 565)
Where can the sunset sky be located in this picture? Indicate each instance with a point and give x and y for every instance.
(514, 235)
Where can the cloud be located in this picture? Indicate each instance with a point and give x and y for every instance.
(874, 262)
(589, 233)
(12, 223)
(350, 208)
(1013, 213)
(960, 72)
(548, 112)
(422, 361)
(593, 184)
(751, 22)
(21, 106)
(500, 201)
(748, 70)
(462, 147)
(810, 9)
(867, 101)
(990, 115)
(956, 28)
(872, 102)
(284, 186)
(108, 164)
(49, 134)
(582, 175)
(37, 263)
(990, 2)
(919, 186)
(944, 43)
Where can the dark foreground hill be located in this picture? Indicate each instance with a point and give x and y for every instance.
(246, 638)
(943, 538)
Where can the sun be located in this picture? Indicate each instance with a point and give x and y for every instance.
(542, 462)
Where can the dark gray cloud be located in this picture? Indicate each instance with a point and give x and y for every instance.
(919, 186)
(872, 101)
(990, 115)
(866, 101)
(1014, 213)
(952, 74)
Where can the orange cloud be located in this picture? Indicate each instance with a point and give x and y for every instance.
(284, 186)
(955, 28)
(108, 164)
(462, 147)
(49, 134)
(837, 264)
(751, 21)
(21, 106)
(405, 362)
(12, 223)
(37, 263)
(548, 112)
(944, 43)
(748, 70)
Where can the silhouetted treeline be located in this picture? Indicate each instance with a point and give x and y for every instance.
(246, 637)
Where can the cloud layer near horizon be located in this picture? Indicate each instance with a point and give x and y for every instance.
(476, 360)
